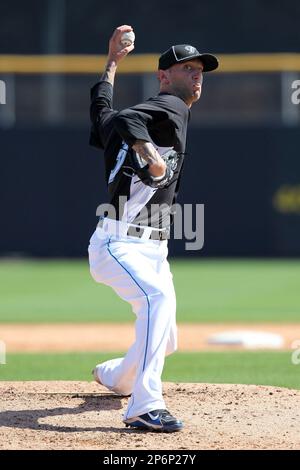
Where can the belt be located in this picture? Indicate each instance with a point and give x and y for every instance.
(121, 229)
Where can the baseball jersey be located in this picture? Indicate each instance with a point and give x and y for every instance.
(161, 120)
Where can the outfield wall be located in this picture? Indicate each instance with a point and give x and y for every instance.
(248, 179)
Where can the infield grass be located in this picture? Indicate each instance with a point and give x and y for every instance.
(207, 291)
(265, 368)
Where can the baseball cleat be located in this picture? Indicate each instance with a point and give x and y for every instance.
(156, 420)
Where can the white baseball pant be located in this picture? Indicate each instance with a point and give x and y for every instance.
(138, 271)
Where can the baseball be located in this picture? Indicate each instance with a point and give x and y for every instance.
(127, 38)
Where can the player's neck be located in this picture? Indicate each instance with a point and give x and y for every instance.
(179, 93)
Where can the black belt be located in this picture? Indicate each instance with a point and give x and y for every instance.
(155, 234)
(135, 231)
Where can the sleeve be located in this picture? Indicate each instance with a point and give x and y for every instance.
(142, 121)
(101, 113)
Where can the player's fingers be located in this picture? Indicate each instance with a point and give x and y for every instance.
(116, 47)
(128, 49)
(124, 27)
(123, 52)
(120, 30)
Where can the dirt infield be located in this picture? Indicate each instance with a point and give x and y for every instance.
(82, 415)
(114, 337)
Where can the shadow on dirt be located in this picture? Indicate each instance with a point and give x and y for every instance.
(29, 419)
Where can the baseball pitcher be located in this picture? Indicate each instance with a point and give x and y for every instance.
(144, 149)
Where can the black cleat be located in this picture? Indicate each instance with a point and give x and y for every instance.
(156, 420)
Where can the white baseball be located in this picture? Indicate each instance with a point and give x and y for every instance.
(127, 38)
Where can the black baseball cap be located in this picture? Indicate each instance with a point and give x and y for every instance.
(184, 52)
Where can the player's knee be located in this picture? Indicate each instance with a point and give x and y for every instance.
(96, 276)
(157, 301)
(163, 298)
(171, 348)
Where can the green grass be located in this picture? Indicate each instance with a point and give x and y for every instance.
(207, 291)
(265, 368)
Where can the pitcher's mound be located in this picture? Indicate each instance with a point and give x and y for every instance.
(82, 415)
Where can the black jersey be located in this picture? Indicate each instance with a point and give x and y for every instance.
(161, 120)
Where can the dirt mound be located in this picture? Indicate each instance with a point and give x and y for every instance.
(82, 415)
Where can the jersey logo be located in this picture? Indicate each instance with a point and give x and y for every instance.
(119, 162)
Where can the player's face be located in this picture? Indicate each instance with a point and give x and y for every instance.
(186, 80)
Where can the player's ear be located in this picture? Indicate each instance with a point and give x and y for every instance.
(163, 77)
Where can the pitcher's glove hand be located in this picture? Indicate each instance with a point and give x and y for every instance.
(139, 167)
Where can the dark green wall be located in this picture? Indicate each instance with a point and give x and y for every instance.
(51, 183)
(76, 26)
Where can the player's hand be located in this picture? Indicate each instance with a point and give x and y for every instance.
(116, 51)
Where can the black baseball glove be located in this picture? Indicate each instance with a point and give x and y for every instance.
(139, 167)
